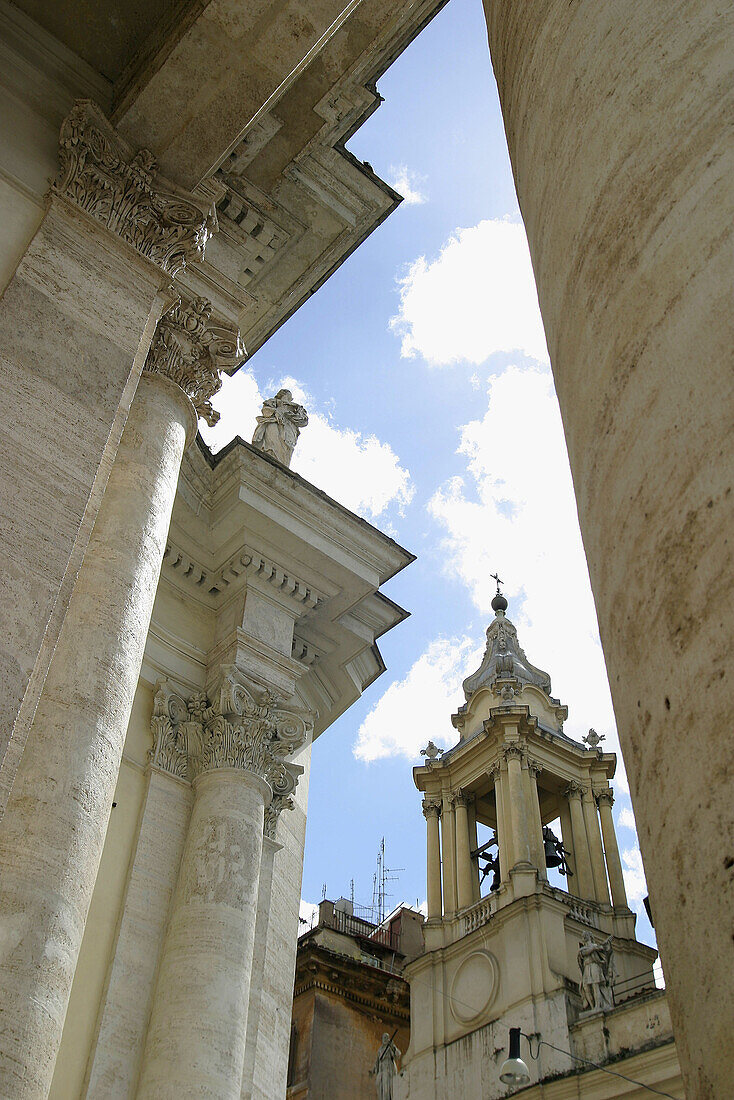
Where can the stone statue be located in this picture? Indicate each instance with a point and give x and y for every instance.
(278, 426)
(385, 1068)
(597, 973)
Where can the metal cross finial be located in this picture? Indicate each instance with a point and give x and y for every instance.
(498, 579)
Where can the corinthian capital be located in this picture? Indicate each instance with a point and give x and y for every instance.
(574, 790)
(191, 349)
(431, 808)
(101, 175)
(605, 796)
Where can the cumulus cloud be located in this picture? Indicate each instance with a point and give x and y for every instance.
(514, 512)
(361, 472)
(634, 876)
(418, 708)
(627, 819)
(407, 183)
(308, 913)
(477, 298)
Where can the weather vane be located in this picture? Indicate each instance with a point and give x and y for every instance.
(499, 581)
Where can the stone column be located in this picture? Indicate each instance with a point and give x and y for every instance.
(473, 845)
(598, 870)
(504, 839)
(605, 801)
(572, 881)
(584, 874)
(431, 812)
(519, 810)
(196, 1037)
(465, 893)
(448, 848)
(624, 183)
(537, 848)
(53, 830)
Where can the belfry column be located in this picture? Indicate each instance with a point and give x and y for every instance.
(585, 877)
(448, 849)
(504, 839)
(465, 893)
(519, 810)
(598, 870)
(537, 848)
(605, 801)
(572, 882)
(473, 844)
(431, 812)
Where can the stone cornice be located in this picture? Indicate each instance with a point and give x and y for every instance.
(317, 967)
(101, 175)
(190, 349)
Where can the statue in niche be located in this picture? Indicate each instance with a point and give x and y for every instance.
(279, 425)
(597, 973)
(385, 1068)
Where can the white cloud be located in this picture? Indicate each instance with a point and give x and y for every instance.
(477, 298)
(361, 472)
(634, 876)
(308, 913)
(514, 512)
(418, 708)
(407, 183)
(627, 819)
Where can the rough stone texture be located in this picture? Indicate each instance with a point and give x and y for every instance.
(196, 1039)
(53, 831)
(76, 321)
(618, 124)
(271, 1049)
(145, 907)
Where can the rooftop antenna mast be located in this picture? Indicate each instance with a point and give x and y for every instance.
(380, 879)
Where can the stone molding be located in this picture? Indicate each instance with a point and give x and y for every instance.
(99, 175)
(574, 790)
(190, 350)
(606, 795)
(212, 584)
(242, 727)
(431, 808)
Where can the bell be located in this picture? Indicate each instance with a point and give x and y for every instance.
(553, 857)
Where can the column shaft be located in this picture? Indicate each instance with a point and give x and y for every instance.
(611, 849)
(448, 847)
(504, 839)
(572, 881)
(518, 812)
(196, 1037)
(53, 830)
(433, 861)
(473, 844)
(463, 857)
(598, 870)
(584, 874)
(537, 848)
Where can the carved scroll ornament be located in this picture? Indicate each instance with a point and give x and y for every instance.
(191, 350)
(98, 174)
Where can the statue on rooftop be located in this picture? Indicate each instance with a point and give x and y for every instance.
(385, 1068)
(597, 973)
(279, 425)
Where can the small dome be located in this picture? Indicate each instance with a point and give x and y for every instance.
(499, 603)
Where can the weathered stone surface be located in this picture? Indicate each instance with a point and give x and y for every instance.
(617, 118)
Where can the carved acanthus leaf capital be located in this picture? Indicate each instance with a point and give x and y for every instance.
(513, 751)
(459, 798)
(605, 796)
(535, 768)
(191, 349)
(99, 173)
(431, 808)
(574, 790)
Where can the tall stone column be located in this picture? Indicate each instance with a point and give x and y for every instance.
(598, 870)
(572, 882)
(431, 812)
(618, 121)
(605, 801)
(53, 830)
(448, 850)
(465, 893)
(584, 874)
(196, 1038)
(537, 848)
(504, 839)
(519, 810)
(473, 845)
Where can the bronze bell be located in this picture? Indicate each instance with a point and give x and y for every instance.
(551, 844)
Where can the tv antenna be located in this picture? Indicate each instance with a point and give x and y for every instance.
(380, 879)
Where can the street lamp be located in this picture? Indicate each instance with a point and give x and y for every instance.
(513, 1070)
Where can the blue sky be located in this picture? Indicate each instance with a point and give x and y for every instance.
(423, 367)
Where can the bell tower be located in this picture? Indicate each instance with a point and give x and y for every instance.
(523, 871)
